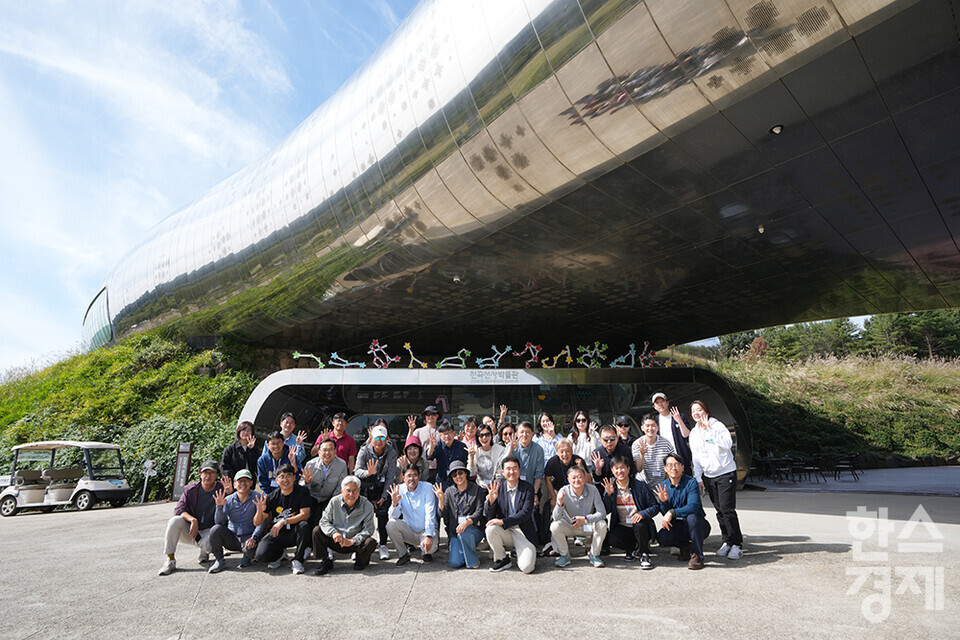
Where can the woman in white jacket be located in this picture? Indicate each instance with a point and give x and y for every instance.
(715, 469)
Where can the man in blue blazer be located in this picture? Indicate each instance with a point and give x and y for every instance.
(509, 514)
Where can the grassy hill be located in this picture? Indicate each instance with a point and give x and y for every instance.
(889, 406)
(148, 394)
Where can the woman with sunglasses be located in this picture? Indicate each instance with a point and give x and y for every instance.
(377, 470)
(482, 458)
(583, 439)
(461, 507)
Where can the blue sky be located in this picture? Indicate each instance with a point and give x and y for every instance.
(113, 114)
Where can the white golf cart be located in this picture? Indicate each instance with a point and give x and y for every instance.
(53, 473)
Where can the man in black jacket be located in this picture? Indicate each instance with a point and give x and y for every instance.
(509, 514)
(632, 506)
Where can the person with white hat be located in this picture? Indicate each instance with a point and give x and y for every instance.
(378, 471)
(674, 428)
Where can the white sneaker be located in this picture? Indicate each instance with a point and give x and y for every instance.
(307, 553)
(723, 550)
(204, 557)
(169, 566)
(384, 552)
(735, 553)
(297, 567)
(276, 563)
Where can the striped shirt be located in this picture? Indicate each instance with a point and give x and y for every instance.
(652, 460)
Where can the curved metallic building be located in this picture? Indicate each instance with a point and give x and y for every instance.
(564, 170)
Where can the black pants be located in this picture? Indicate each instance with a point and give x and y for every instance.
(222, 538)
(383, 516)
(633, 537)
(322, 542)
(316, 510)
(270, 548)
(723, 494)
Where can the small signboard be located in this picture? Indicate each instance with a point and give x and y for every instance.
(181, 473)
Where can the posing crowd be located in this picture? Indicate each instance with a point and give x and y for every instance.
(494, 486)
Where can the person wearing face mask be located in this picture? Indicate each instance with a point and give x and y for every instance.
(715, 469)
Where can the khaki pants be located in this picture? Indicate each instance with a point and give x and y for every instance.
(498, 538)
(178, 531)
(561, 530)
(402, 534)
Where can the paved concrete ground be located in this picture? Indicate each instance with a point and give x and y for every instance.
(94, 574)
(923, 481)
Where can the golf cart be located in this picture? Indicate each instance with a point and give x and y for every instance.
(49, 474)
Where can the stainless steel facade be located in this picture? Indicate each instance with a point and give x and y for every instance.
(567, 171)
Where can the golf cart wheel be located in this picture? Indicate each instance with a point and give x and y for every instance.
(118, 503)
(8, 506)
(83, 501)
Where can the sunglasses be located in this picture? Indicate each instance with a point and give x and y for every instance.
(581, 419)
(458, 472)
(380, 438)
(484, 435)
(622, 424)
(609, 439)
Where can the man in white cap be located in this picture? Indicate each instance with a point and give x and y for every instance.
(377, 470)
(674, 427)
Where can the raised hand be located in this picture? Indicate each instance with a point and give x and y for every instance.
(326, 433)
(307, 475)
(560, 497)
(438, 491)
(371, 467)
(661, 492)
(503, 412)
(472, 449)
(220, 498)
(597, 461)
(395, 494)
(675, 414)
(643, 446)
(301, 436)
(227, 484)
(493, 492)
(292, 454)
(411, 423)
(250, 441)
(608, 486)
(511, 442)
(433, 439)
(261, 501)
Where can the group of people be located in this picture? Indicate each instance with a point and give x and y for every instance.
(493, 485)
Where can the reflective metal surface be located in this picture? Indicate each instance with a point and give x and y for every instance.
(574, 170)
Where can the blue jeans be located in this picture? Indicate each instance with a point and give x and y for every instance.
(463, 548)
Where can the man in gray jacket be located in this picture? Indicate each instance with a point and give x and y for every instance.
(579, 512)
(346, 526)
(322, 476)
(377, 470)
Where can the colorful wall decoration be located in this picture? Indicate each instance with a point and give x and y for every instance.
(590, 356)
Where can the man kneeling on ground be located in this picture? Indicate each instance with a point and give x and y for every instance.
(509, 513)
(413, 516)
(287, 512)
(234, 529)
(684, 521)
(632, 507)
(193, 516)
(346, 526)
(579, 512)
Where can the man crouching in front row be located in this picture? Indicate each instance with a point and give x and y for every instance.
(287, 512)
(346, 526)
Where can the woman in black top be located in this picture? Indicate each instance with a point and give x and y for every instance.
(242, 453)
